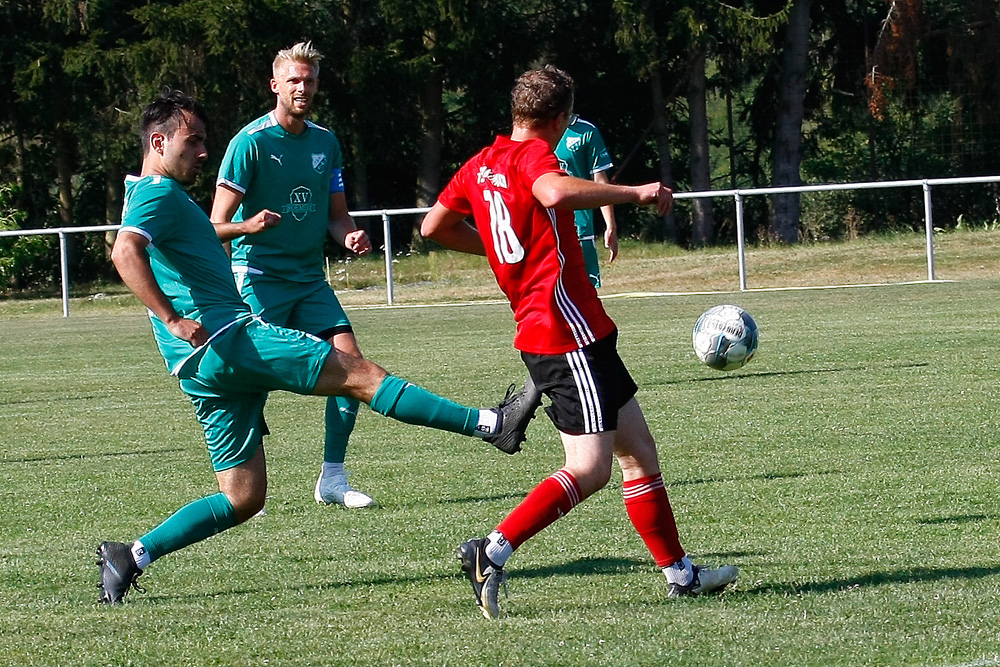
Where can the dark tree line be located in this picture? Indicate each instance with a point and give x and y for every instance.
(702, 95)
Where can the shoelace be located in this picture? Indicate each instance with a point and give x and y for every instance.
(135, 582)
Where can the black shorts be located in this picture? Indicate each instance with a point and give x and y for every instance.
(587, 387)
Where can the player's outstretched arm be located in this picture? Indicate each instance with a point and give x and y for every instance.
(449, 229)
(130, 258)
(558, 190)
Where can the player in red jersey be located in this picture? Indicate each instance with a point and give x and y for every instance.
(521, 204)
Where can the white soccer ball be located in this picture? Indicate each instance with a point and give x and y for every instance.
(725, 337)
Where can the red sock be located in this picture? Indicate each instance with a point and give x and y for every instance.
(554, 497)
(649, 510)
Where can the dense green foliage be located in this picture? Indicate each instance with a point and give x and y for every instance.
(414, 87)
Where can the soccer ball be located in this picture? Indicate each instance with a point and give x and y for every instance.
(725, 337)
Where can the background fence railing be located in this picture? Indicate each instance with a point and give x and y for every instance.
(737, 195)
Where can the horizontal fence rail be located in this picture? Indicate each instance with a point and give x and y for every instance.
(738, 195)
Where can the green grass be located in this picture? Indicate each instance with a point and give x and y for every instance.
(848, 471)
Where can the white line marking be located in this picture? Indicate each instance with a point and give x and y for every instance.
(645, 295)
(985, 662)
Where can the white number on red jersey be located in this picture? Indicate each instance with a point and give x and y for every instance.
(509, 250)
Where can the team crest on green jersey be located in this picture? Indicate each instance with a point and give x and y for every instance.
(319, 162)
(300, 203)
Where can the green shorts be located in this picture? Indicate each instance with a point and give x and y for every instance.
(589, 246)
(312, 307)
(230, 380)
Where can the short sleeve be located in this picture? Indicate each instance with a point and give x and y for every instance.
(150, 211)
(453, 196)
(239, 163)
(600, 158)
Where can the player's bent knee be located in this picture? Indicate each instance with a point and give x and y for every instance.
(592, 479)
(247, 505)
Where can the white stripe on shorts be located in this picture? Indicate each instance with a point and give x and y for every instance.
(593, 418)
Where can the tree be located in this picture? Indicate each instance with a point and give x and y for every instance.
(640, 23)
(787, 156)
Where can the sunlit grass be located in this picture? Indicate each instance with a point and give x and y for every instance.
(849, 471)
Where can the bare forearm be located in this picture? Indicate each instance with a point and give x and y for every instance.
(130, 258)
(341, 227)
(576, 193)
(132, 264)
(449, 229)
(557, 190)
(227, 231)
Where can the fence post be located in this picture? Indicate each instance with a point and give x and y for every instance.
(741, 251)
(64, 272)
(929, 229)
(387, 235)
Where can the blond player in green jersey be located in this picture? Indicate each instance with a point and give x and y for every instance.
(288, 165)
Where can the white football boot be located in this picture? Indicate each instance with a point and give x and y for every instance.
(334, 490)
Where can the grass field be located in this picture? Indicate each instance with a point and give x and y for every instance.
(848, 471)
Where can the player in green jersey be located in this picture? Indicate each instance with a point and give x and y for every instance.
(581, 153)
(286, 164)
(227, 358)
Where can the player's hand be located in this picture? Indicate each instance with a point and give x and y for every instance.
(265, 219)
(611, 243)
(358, 242)
(188, 330)
(658, 195)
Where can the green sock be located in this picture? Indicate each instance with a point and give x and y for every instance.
(192, 523)
(409, 403)
(341, 413)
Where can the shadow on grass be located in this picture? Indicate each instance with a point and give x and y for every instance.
(767, 477)
(187, 594)
(513, 495)
(597, 566)
(580, 567)
(958, 518)
(100, 455)
(519, 495)
(874, 579)
(61, 398)
(765, 374)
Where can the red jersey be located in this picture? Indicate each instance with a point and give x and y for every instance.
(534, 251)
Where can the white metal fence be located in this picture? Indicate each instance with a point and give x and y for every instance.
(738, 195)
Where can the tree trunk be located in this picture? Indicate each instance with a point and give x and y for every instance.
(703, 222)
(730, 123)
(64, 176)
(358, 152)
(787, 158)
(113, 191)
(431, 139)
(431, 133)
(359, 167)
(670, 232)
(21, 175)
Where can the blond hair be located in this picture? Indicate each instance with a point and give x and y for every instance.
(303, 52)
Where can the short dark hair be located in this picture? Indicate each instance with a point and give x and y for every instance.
(164, 115)
(540, 95)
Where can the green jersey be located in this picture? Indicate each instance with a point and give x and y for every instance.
(187, 260)
(581, 153)
(290, 174)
